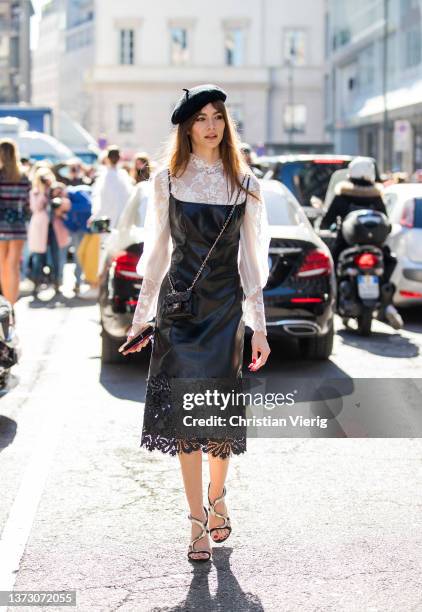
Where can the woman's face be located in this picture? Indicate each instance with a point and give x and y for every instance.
(208, 128)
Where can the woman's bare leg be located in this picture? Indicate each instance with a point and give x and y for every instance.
(191, 464)
(218, 472)
(10, 254)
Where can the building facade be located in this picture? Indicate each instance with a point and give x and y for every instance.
(64, 58)
(374, 80)
(123, 66)
(15, 58)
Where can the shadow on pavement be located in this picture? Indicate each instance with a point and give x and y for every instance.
(229, 595)
(381, 343)
(8, 428)
(285, 361)
(126, 380)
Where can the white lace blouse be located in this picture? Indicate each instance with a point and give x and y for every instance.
(204, 182)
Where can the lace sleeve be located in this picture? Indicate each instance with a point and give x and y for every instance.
(253, 258)
(155, 258)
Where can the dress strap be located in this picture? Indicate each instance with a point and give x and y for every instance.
(169, 178)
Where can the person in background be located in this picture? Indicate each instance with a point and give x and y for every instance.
(417, 177)
(250, 159)
(76, 222)
(90, 173)
(58, 236)
(26, 165)
(25, 283)
(360, 191)
(111, 190)
(141, 170)
(125, 165)
(76, 173)
(14, 211)
(46, 220)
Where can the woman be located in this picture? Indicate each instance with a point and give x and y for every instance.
(192, 199)
(141, 170)
(14, 211)
(46, 227)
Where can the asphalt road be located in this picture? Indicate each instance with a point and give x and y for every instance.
(319, 523)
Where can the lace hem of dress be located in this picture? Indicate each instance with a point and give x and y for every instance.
(160, 430)
(174, 446)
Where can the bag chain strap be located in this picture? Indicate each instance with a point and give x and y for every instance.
(173, 290)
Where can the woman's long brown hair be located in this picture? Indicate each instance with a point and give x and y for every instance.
(180, 148)
(10, 172)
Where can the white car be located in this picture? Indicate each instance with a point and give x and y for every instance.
(404, 207)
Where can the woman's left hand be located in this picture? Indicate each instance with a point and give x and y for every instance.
(259, 345)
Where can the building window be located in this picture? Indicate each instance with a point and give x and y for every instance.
(127, 38)
(366, 69)
(125, 113)
(407, 6)
(234, 45)
(78, 39)
(412, 47)
(236, 112)
(179, 46)
(294, 118)
(295, 47)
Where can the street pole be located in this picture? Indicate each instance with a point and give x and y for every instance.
(291, 98)
(385, 152)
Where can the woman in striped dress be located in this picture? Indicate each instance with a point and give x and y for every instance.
(14, 211)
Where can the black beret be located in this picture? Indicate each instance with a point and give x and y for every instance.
(194, 99)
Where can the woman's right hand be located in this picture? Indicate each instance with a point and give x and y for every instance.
(134, 331)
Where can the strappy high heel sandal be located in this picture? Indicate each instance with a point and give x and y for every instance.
(192, 550)
(212, 510)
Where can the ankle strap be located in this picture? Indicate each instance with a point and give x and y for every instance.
(216, 501)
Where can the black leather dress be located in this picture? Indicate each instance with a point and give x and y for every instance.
(206, 351)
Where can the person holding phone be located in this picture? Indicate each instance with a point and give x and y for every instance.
(206, 207)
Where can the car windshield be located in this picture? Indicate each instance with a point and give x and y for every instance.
(308, 178)
(281, 209)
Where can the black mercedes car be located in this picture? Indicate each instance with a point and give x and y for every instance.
(299, 296)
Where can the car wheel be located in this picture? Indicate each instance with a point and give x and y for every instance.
(109, 349)
(319, 347)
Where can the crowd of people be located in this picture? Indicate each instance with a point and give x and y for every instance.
(46, 208)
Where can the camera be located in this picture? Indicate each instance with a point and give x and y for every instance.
(100, 225)
(56, 202)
